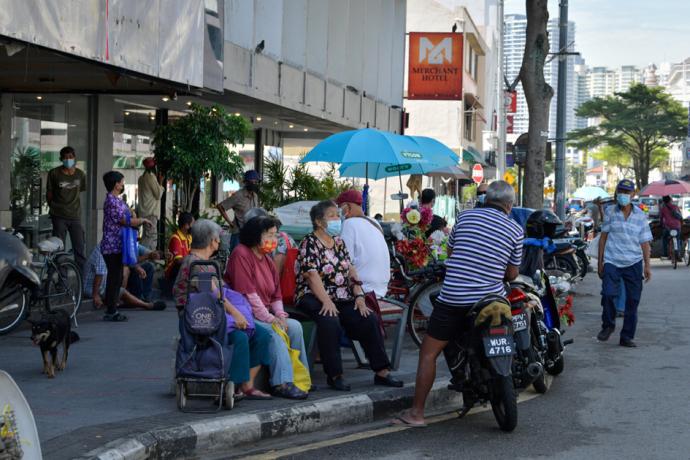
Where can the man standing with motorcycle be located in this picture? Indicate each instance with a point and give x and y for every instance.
(623, 258)
(487, 231)
(670, 219)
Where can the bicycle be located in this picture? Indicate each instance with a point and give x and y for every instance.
(415, 288)
(60, 288)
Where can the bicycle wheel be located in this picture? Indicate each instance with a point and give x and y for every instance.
(420, 310)
(14, 304)
(63, 288)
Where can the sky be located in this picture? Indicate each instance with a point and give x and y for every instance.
(612, 33)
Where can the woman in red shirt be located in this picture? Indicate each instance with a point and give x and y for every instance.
(251, 271)
(179, 245)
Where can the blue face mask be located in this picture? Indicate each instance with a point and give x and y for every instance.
(481, 198)
(623, 199)
(334, 227)
(69, 163)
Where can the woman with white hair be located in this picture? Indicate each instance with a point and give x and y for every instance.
(250, 341)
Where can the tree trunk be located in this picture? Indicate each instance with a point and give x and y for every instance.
(538, 95)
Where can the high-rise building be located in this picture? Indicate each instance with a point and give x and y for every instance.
(602, 82)
(581, 91)
(515, 32)
(627, 76)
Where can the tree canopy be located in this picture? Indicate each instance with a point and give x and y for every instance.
(196, 145)
(638, 126)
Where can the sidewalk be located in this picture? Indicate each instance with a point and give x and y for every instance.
(117, 381)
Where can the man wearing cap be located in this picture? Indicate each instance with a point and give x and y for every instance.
(241, 202)
(150, 193)
(364, 240)
(623, 258)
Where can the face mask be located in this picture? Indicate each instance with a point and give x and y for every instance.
(251, 187)
(343, 214)
(334, 227)
(623, 199)
(481, 198)
(268, 246)
(69, 163)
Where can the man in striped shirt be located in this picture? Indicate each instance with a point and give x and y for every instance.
(485, 249)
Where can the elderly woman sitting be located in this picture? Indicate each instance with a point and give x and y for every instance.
(251, 271)
(250, 344)
(329, 290)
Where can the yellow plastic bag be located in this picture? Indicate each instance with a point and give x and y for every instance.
(301, 377)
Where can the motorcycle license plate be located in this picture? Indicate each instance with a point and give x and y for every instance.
(520, 322)
(498, 345)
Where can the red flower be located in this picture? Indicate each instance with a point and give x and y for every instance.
(565, 311)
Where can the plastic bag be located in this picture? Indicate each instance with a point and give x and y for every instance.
(301, 378)
(129, 243)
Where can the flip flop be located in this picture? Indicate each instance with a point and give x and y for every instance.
(255, 395)
(400, 421)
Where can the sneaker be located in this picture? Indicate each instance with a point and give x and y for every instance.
(605, 333)
(288, 391)
(627, 343)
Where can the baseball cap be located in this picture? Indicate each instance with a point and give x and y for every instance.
(149, 162)
(251, 175)
(349, 196)
(626, 185)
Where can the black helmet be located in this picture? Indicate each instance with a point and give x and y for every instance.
(542, 223)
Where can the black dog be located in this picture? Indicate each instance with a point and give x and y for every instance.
(51, 330)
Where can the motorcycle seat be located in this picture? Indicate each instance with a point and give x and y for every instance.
(51, 245)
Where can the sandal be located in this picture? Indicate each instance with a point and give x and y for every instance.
(256, 395)
(116, 317)
(158, 305)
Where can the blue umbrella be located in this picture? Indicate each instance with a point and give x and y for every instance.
(376, 150)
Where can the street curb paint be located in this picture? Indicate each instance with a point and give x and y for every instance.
(224, 433)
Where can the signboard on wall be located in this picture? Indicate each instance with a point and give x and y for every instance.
(435, 66)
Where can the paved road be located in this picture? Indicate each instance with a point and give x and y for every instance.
(611, 402)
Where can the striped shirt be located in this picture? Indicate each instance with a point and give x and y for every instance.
(484, 242)
(625, 236)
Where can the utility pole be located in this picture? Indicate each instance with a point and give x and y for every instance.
(501, 118)
(561, 107)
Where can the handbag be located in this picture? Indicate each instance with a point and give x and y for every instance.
(300, 374)
(130, 250)
(288, 279)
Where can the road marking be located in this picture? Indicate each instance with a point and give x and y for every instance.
(276, 454)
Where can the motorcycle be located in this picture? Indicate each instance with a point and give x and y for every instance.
(529, 337)
(480, 359)
(18, 281)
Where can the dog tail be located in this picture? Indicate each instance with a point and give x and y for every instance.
(73, 337)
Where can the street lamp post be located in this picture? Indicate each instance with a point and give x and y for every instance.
(561, 108)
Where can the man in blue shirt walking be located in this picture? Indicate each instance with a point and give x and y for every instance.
(623, 258)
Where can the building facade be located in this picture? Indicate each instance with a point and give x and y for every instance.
(298, 70)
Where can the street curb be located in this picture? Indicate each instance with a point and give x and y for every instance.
(223, 433)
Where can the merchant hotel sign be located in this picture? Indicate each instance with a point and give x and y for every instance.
(435, 70)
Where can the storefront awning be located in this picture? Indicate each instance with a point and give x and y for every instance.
(471, 156)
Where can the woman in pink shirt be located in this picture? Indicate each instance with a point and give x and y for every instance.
(251, 271)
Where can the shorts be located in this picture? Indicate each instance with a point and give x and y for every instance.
(446, 321)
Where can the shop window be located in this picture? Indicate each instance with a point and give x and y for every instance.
(41, 126)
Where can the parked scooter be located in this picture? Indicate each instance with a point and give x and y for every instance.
(17, 279)
(480, 360)
(529, 335)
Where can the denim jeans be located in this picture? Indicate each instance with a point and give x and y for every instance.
(281, 365)
(631, 279)
(142, 288)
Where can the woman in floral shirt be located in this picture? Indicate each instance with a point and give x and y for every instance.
(329, 290)
(116, 215)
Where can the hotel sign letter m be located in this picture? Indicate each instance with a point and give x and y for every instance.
(435, 66)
